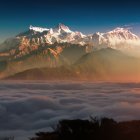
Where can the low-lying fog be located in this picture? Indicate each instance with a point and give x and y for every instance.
(29, 107)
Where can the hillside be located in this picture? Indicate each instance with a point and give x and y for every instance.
(104, 64)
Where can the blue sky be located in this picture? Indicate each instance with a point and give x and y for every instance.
(87, 16)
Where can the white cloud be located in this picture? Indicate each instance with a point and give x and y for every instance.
(27, 107)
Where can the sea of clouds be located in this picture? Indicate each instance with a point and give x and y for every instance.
(29, 107)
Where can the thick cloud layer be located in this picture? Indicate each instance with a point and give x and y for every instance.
(29, 107)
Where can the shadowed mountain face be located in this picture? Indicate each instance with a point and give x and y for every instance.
(104, 64)
(50, 56)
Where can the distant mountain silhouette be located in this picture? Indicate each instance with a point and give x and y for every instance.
(107, 64)
(61, 73)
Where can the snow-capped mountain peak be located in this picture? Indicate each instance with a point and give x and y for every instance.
(123, 33)
(119, 30)
(63, 27)
(38, 29)
(32, 39)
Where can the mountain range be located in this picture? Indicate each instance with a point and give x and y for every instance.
(59, 49)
